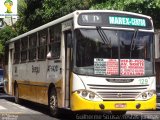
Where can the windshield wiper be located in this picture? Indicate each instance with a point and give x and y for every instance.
(104, 36)
(132, 45)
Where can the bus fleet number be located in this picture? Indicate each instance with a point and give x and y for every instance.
(143, 81)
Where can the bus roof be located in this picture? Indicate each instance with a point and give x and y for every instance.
(69, 16)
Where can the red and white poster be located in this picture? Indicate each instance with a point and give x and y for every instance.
(128, 67)
(132, 67)
(112, 67)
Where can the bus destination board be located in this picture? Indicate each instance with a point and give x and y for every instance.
(127, 21)
(114, 20)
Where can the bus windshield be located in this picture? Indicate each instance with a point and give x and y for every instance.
(113, 52)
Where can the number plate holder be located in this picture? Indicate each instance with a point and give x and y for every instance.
(120, 105)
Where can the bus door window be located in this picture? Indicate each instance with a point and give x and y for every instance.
(67, 38)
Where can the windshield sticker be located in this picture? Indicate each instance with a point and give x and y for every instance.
(106, 66)
(112, 66)
(99, 66)
(132, 67)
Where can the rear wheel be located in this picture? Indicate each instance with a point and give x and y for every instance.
(53, 103)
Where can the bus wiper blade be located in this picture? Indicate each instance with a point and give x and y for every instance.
(104, 36)
(132, 45)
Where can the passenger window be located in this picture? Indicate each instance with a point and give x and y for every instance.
(32, 47)
(24, 48)
(17, 51)
(55, 41)
(42, 48)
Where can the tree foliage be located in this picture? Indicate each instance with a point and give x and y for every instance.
(33, 13)
(147, 7)
(6, 34)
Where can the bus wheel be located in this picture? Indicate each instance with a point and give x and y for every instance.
(53, 103)
(118, 112)
(16, 94)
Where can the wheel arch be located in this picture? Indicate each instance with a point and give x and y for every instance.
(51, 86)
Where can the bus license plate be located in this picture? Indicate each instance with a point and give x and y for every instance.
(120, 105)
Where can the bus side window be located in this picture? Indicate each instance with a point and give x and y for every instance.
(24, 47)
(55, 41)
(32, 46)
(43, 35)
(17, 51)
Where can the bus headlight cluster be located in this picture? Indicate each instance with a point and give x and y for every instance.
(147, 94)
(89, 95)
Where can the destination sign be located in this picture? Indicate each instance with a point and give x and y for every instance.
(91, 19)
(127, 21)
(114, 20)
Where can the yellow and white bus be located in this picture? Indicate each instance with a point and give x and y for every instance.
(87, 60)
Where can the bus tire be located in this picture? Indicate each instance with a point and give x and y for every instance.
(118, 112)
(16, 94)
(53, 103)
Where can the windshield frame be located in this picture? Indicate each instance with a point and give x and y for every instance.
(119, 75)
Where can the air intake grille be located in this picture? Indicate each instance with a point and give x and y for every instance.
(118, 92)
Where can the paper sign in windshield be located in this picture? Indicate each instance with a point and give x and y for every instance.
(99, 66)
(128, 67)
(112, 66)
(132, 67)
(106, 66)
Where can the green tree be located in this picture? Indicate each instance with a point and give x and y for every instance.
(34, 13)
(147, 7)
(20, 24)
(6, 33)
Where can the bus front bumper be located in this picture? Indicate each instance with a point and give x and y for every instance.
(79, 104)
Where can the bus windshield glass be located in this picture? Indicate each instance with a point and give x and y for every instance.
(113, 52)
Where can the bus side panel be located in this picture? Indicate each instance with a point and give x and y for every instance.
(37, 81)
(32, 82)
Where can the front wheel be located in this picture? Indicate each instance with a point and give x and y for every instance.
(53, 103)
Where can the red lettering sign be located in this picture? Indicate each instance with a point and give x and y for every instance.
(132, 67)
(112, 67)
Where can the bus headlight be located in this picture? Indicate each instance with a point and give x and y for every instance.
(84, 93)
(92, 95)
(151, 93)
(89, 95)
(146, 95)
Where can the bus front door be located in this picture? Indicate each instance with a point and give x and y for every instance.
(67, 65)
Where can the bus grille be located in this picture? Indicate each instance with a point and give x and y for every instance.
(118, 92)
